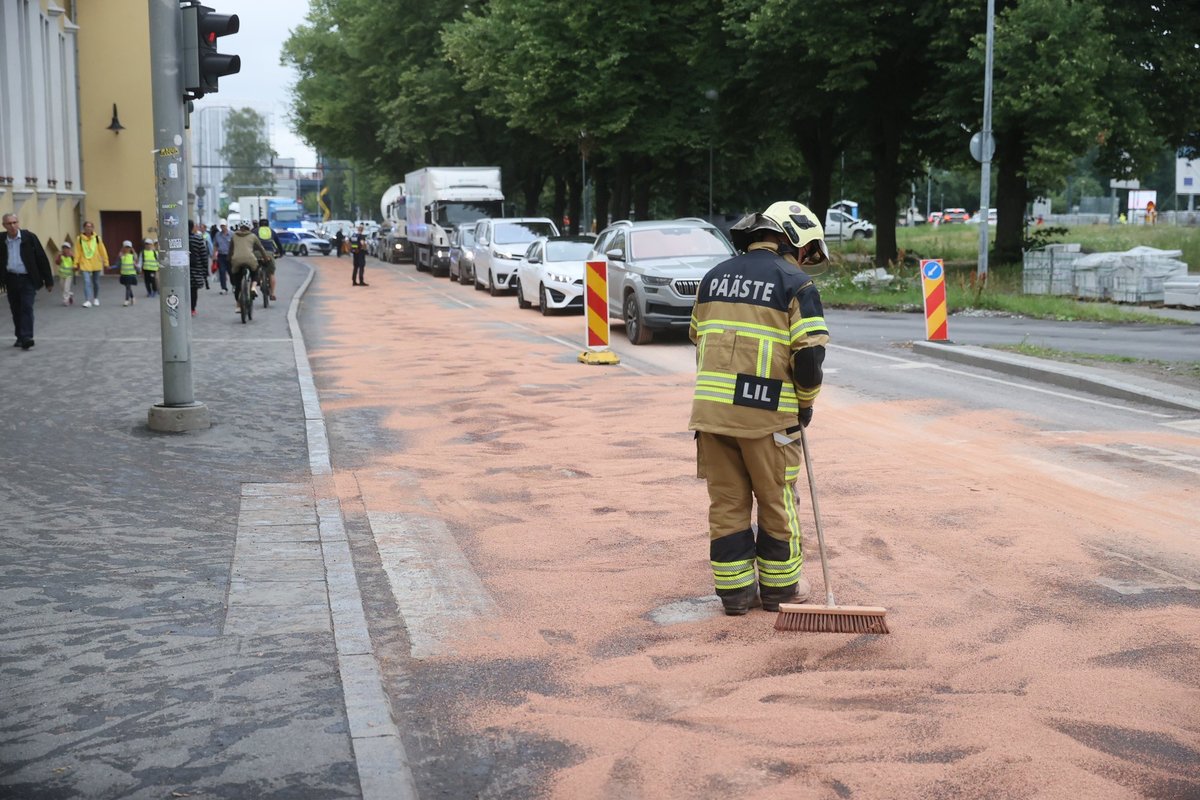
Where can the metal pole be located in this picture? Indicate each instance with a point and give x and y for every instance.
(710, 214)
(179, 410)
(985, 173)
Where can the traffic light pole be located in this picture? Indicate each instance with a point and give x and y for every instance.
(179, 410)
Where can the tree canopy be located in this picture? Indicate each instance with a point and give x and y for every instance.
(778, 96)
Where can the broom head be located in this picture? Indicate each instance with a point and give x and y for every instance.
(831, 619)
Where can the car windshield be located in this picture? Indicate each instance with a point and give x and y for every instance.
(521, 232)
(467, 237)
(451, 214)
(675, 242)
(567, 251)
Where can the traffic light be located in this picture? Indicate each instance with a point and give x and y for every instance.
(202, 64)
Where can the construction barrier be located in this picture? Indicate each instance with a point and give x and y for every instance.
(933, 285)
(596, 315)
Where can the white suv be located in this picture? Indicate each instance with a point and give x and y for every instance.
(499, 246)
(654, 271)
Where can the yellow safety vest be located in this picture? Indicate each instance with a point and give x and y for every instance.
(128, 265)
(67, 267)
(149, 261)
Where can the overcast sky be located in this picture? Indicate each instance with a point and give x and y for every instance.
(263, 84)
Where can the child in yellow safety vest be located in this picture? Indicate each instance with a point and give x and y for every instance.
(149, 266)
(66, 273)
(127, 261)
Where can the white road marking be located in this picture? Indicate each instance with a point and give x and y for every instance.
(1189, 425)
(1076, 477)
(1152, 455)
(432, 581)
(1008, 382)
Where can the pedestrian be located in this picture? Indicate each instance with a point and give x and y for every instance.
(127, 262)
(223, 240)
(26, 269)
(358, 251)
(197, 261)
(66, 273)
(149, 265)
(760, 333)
(338, 241)
(91, 259)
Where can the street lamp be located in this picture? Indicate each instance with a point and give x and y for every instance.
(711, 95)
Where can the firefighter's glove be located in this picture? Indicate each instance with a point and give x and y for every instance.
(805, 416)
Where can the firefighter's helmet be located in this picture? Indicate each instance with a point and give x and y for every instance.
(792, 219)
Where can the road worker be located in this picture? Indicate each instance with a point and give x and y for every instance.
(760, 335)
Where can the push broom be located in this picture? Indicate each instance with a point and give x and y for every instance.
(829, 618)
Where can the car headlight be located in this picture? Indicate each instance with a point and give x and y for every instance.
(558, 277)
(441, 254)
(466, 256)
(507, 257)
(655, 280)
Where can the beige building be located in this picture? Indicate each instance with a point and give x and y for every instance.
(76, 122)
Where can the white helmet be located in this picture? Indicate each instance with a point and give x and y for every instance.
(792, 219)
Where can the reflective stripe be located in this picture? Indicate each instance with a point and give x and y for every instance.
(733, 574)
(745, 328)
(764, 358)
(808, 326)
(785, 573)
(719, 387)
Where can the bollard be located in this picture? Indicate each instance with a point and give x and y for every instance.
(595, 315)
(933, 289)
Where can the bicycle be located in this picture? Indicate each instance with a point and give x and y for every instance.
(246, 295)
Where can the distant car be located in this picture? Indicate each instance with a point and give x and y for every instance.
(302, 243)
(551, 274)
(499, 246)
(462, 252)
(955, 215)
(840, 225)
(330, 228)
(935, 217)
(974, 220)
(654, 271)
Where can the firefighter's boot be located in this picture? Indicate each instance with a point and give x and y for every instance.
(732, 559)
(772, 596)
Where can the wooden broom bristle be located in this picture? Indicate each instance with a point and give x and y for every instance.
(831, 619)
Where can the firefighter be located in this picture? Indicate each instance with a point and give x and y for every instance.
(760, 335)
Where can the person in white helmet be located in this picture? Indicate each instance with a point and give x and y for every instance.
(760, 333)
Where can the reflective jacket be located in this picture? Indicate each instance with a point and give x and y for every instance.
(149, 260)
(128, 264)
(760, 337)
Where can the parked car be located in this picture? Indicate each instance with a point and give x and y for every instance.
(974, 220)
(462, 252)
(302, 243)
(654, 271)
(935, 217)
(552, 271)
(329, 228)
(954, 215)
(840, 225)
(499, 246)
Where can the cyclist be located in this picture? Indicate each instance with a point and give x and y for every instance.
(270, 242)
(246, 252)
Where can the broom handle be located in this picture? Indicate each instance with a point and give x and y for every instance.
(812, 489)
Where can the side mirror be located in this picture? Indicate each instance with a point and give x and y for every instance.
(533, 260)
(615, 255)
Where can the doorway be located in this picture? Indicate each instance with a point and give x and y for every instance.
(116, 227)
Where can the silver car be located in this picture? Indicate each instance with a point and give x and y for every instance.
(654, 271)
(500, 244)
(462, 253)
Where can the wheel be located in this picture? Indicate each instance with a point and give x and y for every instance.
(858, 235)
(492, 288)
(543, 306)
(521, 301)
(303, 249)
(266, 292)
(243, 305)
(479, 287)
(637, 332)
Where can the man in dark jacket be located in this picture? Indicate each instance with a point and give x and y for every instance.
(26, 269)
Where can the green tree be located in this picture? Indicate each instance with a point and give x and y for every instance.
(248, 153)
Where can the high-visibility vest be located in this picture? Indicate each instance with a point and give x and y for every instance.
(128, 265)
(267, 237)
(66, 267)
(149, 261)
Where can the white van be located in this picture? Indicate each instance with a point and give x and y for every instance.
(500, 244)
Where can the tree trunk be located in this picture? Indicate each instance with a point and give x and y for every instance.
(683, 183)
(603, 198)
(531, 186)
(642, 187)
(560, 198)
(575, 202)
(886, 154)
(820, 149)
(1010, 198)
